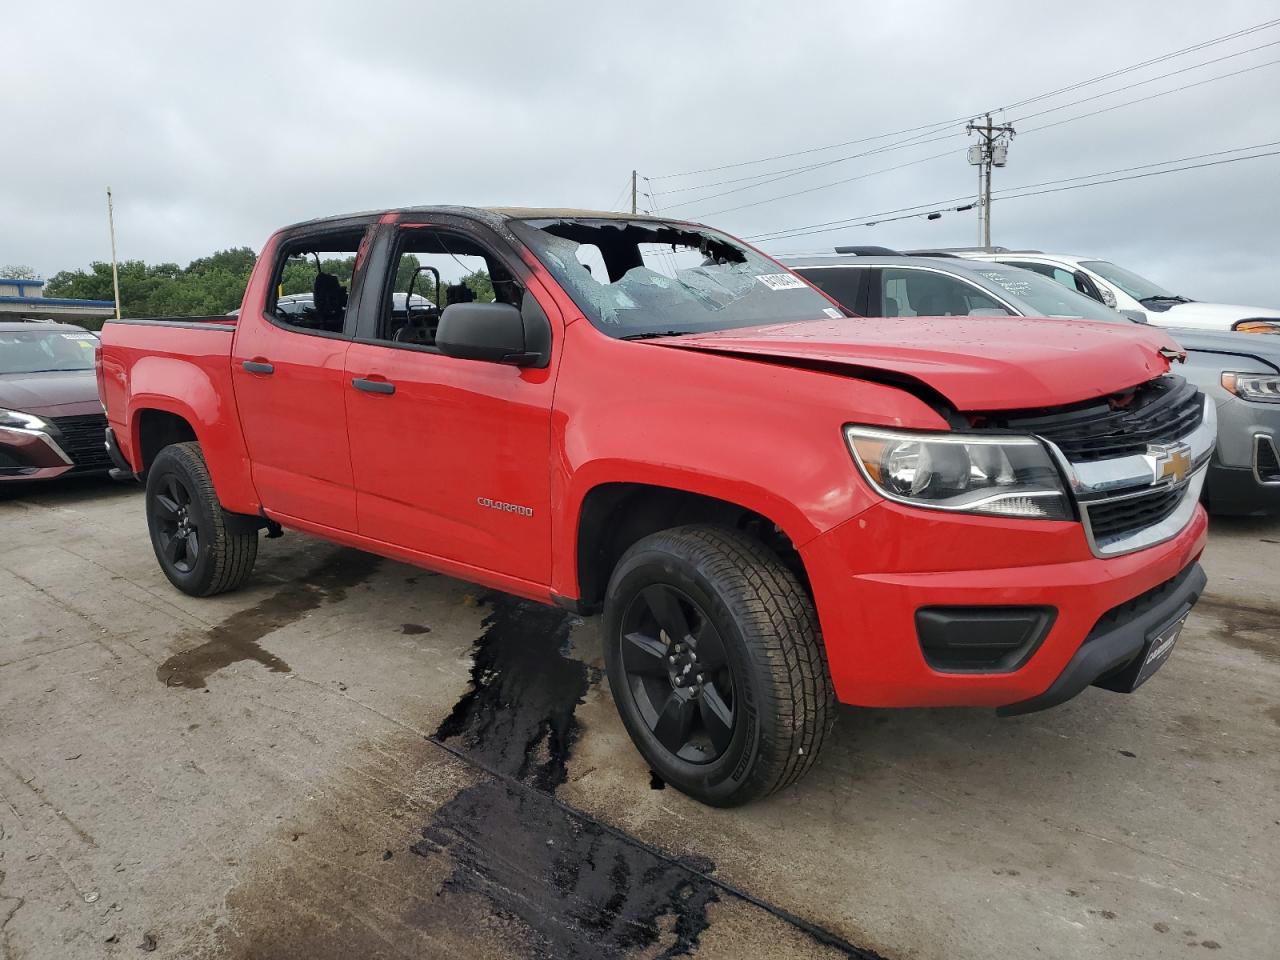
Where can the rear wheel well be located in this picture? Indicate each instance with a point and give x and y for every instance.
(158, 429)
(616, 515)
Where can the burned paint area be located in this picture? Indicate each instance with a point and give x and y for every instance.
(578, 888)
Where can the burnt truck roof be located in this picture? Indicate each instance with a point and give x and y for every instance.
(494, 216)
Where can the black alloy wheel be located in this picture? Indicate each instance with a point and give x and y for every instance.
(678, 674)
(177, 526)
(202, 548)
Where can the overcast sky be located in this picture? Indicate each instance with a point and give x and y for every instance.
(216, 123)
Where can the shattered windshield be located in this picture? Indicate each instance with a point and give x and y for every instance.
(638, 278)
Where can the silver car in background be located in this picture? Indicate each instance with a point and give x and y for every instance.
(1240, 371)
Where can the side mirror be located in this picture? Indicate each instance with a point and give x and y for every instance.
(1108, 297)
(496, 332)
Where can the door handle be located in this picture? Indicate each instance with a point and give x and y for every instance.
(258, 366)
(373, 386)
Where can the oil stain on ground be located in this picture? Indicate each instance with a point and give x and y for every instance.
(577, 888)
(1245, 626)
(237, 638)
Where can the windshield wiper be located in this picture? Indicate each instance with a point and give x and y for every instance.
(654, 334)
(1166, 296)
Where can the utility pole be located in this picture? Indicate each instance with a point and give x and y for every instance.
(633, 191)
(991, 151)
(115, 272)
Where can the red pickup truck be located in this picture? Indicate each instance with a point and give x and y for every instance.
(776, 505)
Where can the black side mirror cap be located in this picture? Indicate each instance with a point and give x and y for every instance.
(495, 332)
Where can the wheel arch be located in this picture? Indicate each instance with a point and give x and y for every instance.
(614, 515)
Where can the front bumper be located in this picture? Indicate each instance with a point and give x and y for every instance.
(1237, 492)
(872, 574)
(30, 455)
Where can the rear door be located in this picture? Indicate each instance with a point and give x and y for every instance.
(289, 373)
(452, 457)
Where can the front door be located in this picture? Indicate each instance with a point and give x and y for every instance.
(451, 457)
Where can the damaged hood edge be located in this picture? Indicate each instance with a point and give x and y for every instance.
(975, 363)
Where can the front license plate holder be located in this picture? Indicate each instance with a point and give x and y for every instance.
(1154, 654)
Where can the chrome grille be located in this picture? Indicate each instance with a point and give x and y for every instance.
(1120, 516)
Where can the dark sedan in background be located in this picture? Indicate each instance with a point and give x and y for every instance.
(51, 422)
(1240, 371)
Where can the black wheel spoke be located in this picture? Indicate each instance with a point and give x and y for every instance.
(175, 491)
(665, 607)
(192, 547)
(644, 655)
(171, 544)
(674, 722)
(709, 646)
(167, 505)
(717, 717)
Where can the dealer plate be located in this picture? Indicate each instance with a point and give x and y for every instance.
(1159, 646)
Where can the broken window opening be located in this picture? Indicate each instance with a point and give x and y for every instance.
(636, 277)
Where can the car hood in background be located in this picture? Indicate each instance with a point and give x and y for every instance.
(56, 394)
(1260, 347)
(1215, 314)
(977, 363)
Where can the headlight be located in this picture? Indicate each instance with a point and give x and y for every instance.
(1257, 326)
(16, 419)
(1262, 387)
(1004, 476)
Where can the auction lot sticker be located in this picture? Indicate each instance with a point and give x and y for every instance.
(781, 281)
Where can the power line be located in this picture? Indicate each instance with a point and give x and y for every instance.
(1142, 83)
(1083, 116)
(795, 172)
(1140, 166)
(1145, 63)
(1154, 96)
(824, 186)
(874, 219)
(936, 126)
(801, 153)
(1140, 176)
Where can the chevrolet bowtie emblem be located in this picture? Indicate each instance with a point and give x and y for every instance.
(1172, 461)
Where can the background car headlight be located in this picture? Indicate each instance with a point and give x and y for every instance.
(18, 420)
(1003, 476)
(1253, 386)
(1257, 326)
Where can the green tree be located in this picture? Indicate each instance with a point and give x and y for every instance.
(18, 271)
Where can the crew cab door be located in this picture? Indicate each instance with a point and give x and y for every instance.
(451, 457)
(288, 368)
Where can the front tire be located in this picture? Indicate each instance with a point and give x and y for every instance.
(199, 550)
(716, 664)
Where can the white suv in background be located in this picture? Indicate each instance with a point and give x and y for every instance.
(1136, 296)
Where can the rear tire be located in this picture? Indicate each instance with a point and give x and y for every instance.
(195, 540)
(716, 664)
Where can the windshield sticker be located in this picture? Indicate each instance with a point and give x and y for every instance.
(833, 313)
(781, 281)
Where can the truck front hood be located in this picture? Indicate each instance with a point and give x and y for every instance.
(976, 363)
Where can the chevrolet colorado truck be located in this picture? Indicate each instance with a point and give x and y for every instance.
(776, 505)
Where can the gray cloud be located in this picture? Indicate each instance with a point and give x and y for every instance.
(215, 125)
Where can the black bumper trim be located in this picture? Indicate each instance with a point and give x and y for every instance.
(1236, 492)
(1118, 637)
(123, 470)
